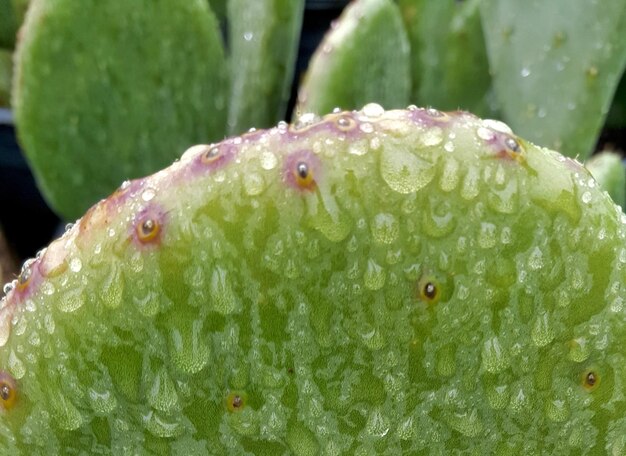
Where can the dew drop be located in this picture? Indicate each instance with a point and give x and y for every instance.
(432, 137)
(248, 36)
(373, 110)
(224, 300)
(450, 175)
(16, 366)
(557, 410)
(542, 332)
(487, 235)
(586, 197)
(485, 133)
(162, 393)
(525, 72)
(268, 160)
(366, 127)
(374, 276)
(385, 228)
(579, 350)
(403, 171)
(468, 424)
(148, 194)
(494, 357)
(76, 264)
(377, 424)
(535, 260)
(254, 184)
(102, 403)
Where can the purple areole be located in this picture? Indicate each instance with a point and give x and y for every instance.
(147, 226)
(302, 170)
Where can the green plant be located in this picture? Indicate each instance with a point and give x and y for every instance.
(371, 282)
(387, 282)
(551, 80)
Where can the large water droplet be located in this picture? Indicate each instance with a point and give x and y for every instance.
(450, 175)
(542, 332)
(579, 350)
(224, 300)
(102, 402)
(66, 415)
(160, 427)
(494, 357)
(374, 276)
(373, 110)
(189, 352)
(487, 235)
(254, 184)
(557, 410)
(403, 171)
(468, 424)
(385, 228)
(162, 393)
(377, 424)
(71, 300)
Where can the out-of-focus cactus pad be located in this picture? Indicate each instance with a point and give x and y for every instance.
(400, 282)
(111, 90)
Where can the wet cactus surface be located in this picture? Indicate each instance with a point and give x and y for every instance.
(400, 282)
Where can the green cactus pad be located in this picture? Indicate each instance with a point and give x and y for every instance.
(119, 86)
(556, 66)
(448, 55)
(364, 58)
(263, 42)
(400, 282)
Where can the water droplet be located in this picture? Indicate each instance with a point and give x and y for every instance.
(497, 125)
(498, 396)
(159, 427)
(189, 352)
(102, 403)
(377, 424)
(525, 72)
(268, 160)
(248, 36)
(16, 366)
(162, 393)
(403, 171)
(468, 424)
(450, 175)
(433, 136)
(470, 188)
(494, 357)
(557, 410)
(5, 326)
(485, 133)
(254, 184)
(9, 286)
(71, 300)
(223, 298)
(358, 148)
(586, 197)
(148, 194)
(407, 429)
(373, 110)
(374, 276)
(487, 235)
(385, 228)
(66, 415)
(449, 146)
(535, 260)
(579, 350)
(542, 332)
(75, 265)
(366, 127)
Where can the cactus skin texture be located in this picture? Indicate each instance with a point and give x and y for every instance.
(399, 282)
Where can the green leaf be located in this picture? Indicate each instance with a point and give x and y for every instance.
(107, 91)
(607, 168)
(556, 65)
(363, 59)
(263, 37)
(449, 58)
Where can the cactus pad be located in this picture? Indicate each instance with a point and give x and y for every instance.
(400, 282)
(120, 87)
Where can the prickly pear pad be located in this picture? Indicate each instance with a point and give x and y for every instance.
(372, 282)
